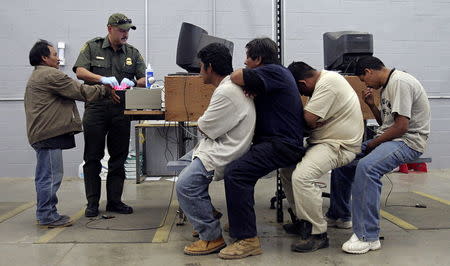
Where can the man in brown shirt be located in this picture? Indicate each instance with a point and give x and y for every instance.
(52, 120)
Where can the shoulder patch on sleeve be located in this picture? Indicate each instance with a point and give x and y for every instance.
(84, 47)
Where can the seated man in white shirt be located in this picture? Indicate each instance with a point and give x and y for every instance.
(227, 125)
(333, 114)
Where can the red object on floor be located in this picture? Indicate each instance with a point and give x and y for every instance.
(419, 167)
(403, 168)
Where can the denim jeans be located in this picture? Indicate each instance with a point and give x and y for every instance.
(192, 191)
(49, 174)
(365, 172)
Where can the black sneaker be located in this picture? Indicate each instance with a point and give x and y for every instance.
(91, 211)
(119, 207)
(312, 243)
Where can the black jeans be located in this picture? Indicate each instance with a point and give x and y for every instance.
(105, 120)
(241, 176)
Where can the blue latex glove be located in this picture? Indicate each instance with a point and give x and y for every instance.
(126, 82)
(111, 81)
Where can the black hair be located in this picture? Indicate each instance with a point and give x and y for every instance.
(301, 70)
(218, 56)
(39, 49)
(367, 62)
(265, 48)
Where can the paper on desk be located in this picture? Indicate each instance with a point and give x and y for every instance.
(172, 179)
(153, 178)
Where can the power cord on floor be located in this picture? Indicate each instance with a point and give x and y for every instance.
(418, 205)
(104, 217)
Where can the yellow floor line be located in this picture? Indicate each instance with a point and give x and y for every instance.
(432, 197)
(16, 211)
(400, 222)
(162, 234)
(55, 231)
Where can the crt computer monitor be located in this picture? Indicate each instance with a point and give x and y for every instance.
(341, 49)
(190, 41)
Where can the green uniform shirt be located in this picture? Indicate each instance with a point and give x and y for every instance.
(99, 57)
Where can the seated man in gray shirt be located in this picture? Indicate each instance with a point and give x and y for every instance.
(404, 119)
(227, 125)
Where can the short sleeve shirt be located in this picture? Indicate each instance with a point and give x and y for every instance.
(404, 95)
(279, 110)
(337, 104)
(99, 57)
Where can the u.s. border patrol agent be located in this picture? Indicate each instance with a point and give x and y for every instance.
(111, 61)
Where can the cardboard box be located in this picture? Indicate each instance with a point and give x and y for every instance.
(186, 97)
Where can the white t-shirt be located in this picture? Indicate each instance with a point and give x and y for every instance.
(336, 103)
(405, 96)
(229, 124)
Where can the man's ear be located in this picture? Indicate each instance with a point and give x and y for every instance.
(258, 60)
(44, 59)
(301, 82)
(209, 67)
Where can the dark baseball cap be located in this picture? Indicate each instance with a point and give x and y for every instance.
(121, 21)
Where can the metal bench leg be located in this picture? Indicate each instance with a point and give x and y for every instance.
(279, 196)
(181, 217)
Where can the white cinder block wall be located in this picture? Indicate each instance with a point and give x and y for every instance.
(411, 35)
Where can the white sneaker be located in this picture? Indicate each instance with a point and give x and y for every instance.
(356, 246)
(339, 223)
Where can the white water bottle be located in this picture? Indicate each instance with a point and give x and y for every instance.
(149, 79)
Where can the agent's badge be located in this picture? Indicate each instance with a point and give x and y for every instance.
(128, 61)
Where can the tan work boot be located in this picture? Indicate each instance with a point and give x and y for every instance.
(241, 249)
(203, 247)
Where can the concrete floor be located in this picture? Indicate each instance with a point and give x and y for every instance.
(23, 243)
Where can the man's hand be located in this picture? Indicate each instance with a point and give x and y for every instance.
(127, 83)
(111, 81)
(368, 96)
(321, 124)
(114, 97)
(371, 145)
(249, 94)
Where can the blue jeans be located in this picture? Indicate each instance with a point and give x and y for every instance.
(192, 191)
(365, 172)
(49, 174)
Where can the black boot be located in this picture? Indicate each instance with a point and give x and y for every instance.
(294, 227)
(91, 210)
(312, 243)
(302, 228)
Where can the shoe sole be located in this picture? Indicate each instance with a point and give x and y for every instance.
(201, 253)
(43, 226)
(340, 227)
(335, 225)
(120, 212)
(231, 257)
(363, 251)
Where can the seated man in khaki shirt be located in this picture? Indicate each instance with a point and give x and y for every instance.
(333, 114)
